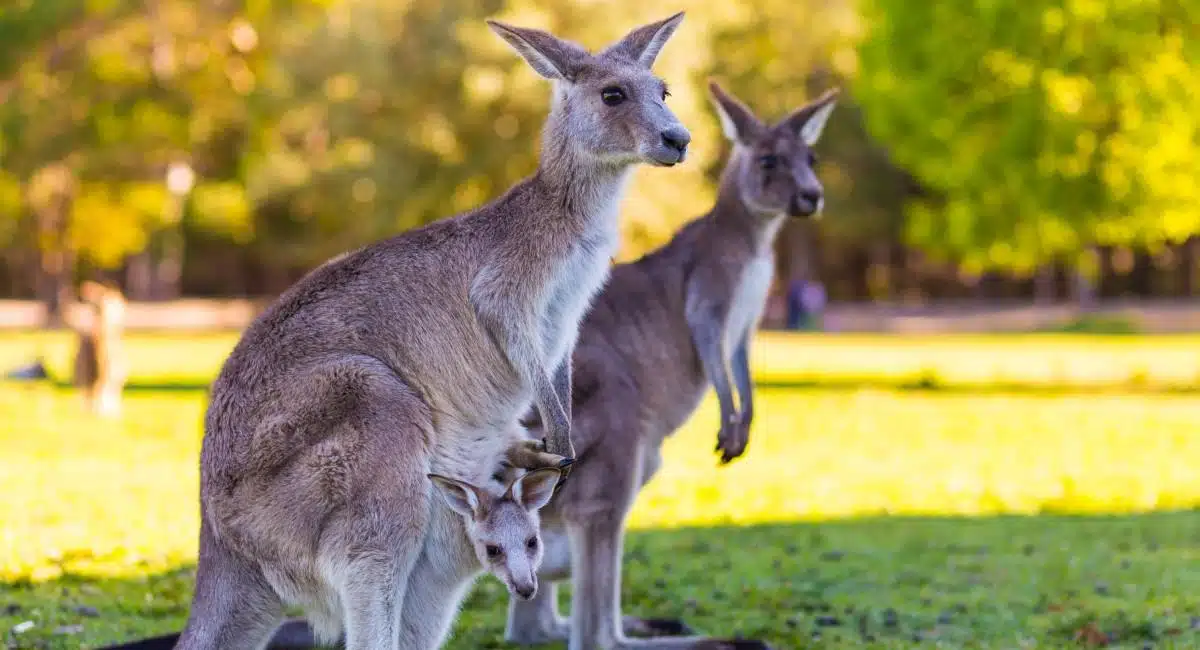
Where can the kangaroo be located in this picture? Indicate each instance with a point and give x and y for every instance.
(100, 364)
(475, 529)
(415, 355)
(664, 329)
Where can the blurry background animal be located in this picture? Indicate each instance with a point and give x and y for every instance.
(100, 364)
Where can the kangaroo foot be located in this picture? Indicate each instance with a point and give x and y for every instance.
(651, 627)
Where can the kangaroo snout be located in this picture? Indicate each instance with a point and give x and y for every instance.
(677, 138)
(525, 590)
(673, 143)
(806, 202)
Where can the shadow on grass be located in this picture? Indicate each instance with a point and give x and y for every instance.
(882, 582)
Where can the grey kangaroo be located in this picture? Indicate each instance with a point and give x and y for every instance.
(411, 356)
(665, 328)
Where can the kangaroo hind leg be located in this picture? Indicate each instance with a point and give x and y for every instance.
(234, 607)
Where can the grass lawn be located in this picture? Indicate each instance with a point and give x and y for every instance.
(788, 544)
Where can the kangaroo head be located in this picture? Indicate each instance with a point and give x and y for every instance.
(608, 107)
(505, 530)
(773, 167)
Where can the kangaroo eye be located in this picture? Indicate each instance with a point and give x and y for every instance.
(812, 159)
(666, 93)
(612, 95)
(532, 543)
(768, 162)
(493, 551)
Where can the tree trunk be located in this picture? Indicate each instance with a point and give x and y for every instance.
(1189, 257)
(54, 285)
(56, 263)
(1043, 285)
(168, 269)
(1083, 288)
(139, 276)
(879, 271)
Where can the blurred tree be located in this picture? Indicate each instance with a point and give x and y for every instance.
(389, 116)
(111, 94)
(1044, 128)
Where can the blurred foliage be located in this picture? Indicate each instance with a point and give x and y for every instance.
(1042, 128)
(316, 126)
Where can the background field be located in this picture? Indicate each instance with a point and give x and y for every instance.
(100, 516)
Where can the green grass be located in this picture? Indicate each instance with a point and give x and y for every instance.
(101, 515)
(974, 362)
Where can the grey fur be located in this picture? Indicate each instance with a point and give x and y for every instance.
(663, 330)
(411, 356)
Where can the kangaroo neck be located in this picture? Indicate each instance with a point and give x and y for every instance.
(582, 188)
(739, 221)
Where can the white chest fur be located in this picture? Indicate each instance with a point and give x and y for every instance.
(581, 276)
(749, 299)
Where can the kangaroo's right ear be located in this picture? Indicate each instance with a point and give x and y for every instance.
(550, 56)
(643, 44)
(534, 490)
(737, 122)
(462, 498)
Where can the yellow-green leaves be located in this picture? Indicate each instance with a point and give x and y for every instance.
(1042, 127)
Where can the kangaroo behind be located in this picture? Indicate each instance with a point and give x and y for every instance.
(665, 329)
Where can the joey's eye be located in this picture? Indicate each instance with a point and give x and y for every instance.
(768, 162)
(493, 551)
(612, 95)
(812, 159)
(532, 543)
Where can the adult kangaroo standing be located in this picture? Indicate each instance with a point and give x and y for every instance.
(663, 330)
(411, 356)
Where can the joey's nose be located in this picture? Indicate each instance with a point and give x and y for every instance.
(676, 138)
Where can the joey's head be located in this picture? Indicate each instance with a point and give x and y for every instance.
(608, 107)
(505, 530)
(773, 167)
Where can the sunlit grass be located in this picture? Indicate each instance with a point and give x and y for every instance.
(83, 495)
(104, 513)
(819, 454)
(943, 360)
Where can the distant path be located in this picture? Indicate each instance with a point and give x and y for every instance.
(1151, 316)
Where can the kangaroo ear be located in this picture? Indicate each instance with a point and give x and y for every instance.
(809, 120)
(533, 490)
(463, 498)
(550, 56)
(643, 44)
(737, 121)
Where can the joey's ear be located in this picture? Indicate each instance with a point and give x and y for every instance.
(737, 121)
(533, 490)
(809, 120)
(643, 44)
(463, 498)
(550, 56)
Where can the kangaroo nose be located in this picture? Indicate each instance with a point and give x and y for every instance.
(676, 138)
(526, 591)
(810, 194)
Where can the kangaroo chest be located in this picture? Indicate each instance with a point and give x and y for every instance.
(573, 286)
(748, 300)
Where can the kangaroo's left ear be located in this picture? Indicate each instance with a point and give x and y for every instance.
(463, 498)
(809, 120)
(534, 490)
